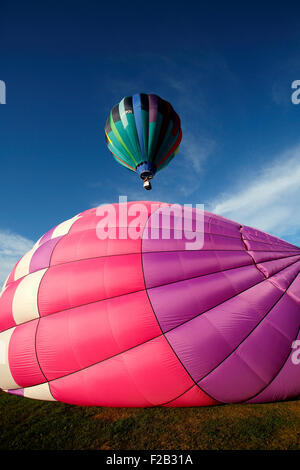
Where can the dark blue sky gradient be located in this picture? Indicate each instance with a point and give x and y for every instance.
(226, 67)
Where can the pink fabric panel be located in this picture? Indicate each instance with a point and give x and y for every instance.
(91, 220)
(22, 357)
(99, 385)
(77, 338)
(82, 282)
(149, 374)
(84, 223)
(6, 299)
(11, 277)
(86, 244)
(193, 397)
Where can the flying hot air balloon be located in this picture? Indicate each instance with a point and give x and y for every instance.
(143, 133)
(138, 319)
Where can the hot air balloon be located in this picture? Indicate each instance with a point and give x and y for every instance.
(143, 133)
(138, 318)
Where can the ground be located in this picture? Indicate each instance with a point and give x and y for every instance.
(30, 424)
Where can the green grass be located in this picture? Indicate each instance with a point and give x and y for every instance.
(35, 425)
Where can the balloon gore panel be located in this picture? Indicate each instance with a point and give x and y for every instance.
(138, 318)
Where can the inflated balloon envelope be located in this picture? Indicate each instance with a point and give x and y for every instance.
(141, 319)
(143, 132)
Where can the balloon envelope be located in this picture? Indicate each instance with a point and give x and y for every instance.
(145, 318)
(143, 133)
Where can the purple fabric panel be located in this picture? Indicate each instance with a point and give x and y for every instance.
(198, 345)
(191, 219)
(202, 343)
(172, 229)
(231, 259)
(153, 241)
(178, 302)
(262, 256)
(47, 236)
(41, 257)
(285, 385)
(153, 102)
(17, 391)
(250, 233)
(285, 277)
(162, 268)
(228, 387)
(260, 246)
(294, 290)
(258, 359)
(222, 220)
(270, 268)
(210, 223)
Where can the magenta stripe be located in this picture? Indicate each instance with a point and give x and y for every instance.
(47, 236)
(41, 257)
(153, 102)
(257, 360)
(285, 385)
(17, 391)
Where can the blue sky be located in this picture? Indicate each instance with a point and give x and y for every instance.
(226, 68)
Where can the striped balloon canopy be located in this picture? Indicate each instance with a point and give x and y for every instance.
(153, 319)
(143, 133)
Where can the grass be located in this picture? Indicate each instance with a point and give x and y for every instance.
(34, 425)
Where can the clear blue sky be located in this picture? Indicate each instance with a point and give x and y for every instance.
(227, 68)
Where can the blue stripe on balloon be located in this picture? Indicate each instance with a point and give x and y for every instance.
(137, 110)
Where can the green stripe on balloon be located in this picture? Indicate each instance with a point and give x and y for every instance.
(118, 137)
(119, 157)
(115, 143)
(155, 130)
(124, 137)
(145, 121)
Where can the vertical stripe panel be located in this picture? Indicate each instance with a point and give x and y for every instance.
(25, 302)
(7, 381)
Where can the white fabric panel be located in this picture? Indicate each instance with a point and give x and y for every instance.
(25, 303)
(39, 392)
(22, 268)
(6, 379)
(64, 227)
(123, 115)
